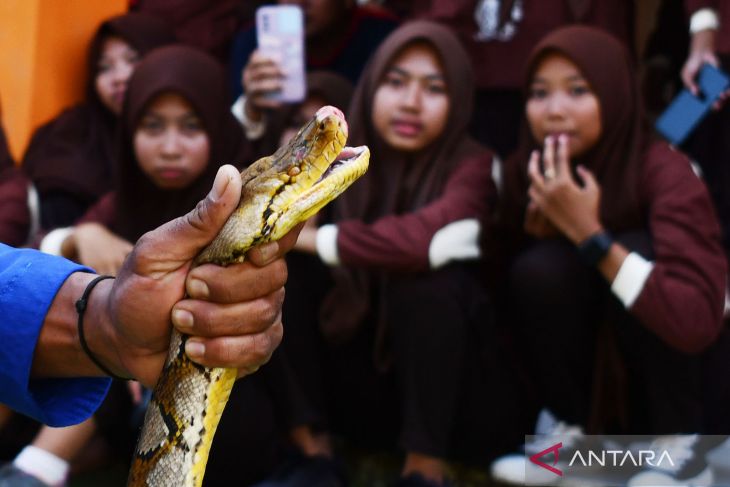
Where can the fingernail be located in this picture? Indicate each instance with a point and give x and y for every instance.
(182, 318)
(269, 250)
(194, 349)
(198, 289)
(220, 184)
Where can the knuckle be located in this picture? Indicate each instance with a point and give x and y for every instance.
(280, 294)
(229, 353)
(269, 311)
(226, 351)
(225, 294)
(261, 348)
(277, 333)
(280, 272)
(200, 214)
(203, 321)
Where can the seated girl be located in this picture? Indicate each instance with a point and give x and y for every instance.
(615, 246)
(70, 158)
(400, 309)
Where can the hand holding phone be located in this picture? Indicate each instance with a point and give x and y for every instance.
(687, 110)
(261, 77)
(280, 37)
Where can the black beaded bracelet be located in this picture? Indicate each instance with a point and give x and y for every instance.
(81, 309)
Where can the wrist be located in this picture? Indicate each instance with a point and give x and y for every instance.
(586, 232)
(703, 42)
(594, 248)
(59, 352)
(251, 112)
(100, 331)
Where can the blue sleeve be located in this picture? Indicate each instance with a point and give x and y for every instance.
(29, 281)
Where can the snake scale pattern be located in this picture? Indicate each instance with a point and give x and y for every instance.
(279, 191)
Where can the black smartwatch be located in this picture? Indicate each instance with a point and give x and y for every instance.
(593, 249)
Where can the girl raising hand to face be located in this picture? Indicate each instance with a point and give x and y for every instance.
(611, 230)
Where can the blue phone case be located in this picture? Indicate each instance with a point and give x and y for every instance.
(687, 110)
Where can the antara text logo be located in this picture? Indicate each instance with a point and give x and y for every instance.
(603, 458)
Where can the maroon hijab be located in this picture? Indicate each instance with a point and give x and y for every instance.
(616, 160)
(398, 182)
(200, 79)
(73, 153)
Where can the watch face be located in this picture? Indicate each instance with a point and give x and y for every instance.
(595, 248)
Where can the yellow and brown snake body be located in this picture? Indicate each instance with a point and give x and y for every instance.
(279, 191)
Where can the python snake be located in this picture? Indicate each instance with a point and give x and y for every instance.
(279, 191)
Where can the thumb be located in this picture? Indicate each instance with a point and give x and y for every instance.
(589, 181)
(184, 237)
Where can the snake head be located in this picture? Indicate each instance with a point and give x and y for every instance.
(288, 187)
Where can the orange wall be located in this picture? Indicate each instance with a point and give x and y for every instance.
(42, 59)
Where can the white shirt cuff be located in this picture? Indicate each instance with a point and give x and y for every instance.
(254, 130)
(42, 464)
(327, 245)
(497, 173)
(631, 277)
(458, 240)
(704, 19)
(51, 243)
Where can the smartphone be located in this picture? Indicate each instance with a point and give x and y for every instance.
(687, 110)
(280, 35)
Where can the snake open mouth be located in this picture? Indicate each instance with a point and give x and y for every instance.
(291, 185)
(348, 156)
(347, 166)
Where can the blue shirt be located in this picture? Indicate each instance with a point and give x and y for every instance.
(29, 280)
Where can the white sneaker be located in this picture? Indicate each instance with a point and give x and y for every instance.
(686, 468)
(515, 469)
(719, 460)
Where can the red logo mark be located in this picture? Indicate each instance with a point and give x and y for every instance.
(555, 449)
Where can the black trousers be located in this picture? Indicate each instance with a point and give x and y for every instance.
(558, 304)
(437, 397)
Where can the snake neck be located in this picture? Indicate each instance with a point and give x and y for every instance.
(180, 421)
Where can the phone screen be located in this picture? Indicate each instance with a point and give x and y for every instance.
(280, 34)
